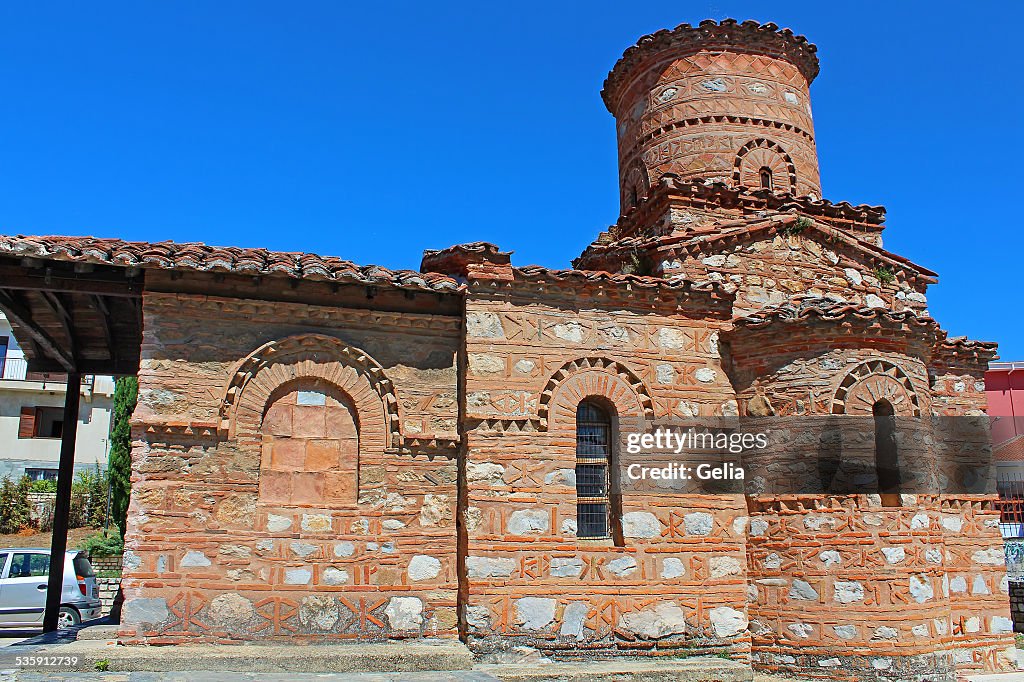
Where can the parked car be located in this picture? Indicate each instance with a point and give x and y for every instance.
(24, 572)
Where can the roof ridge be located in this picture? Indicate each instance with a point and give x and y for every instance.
(201, 257)
(830, 308)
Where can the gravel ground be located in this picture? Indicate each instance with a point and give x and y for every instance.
(75, 536)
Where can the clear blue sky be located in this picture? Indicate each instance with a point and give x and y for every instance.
(374, 130)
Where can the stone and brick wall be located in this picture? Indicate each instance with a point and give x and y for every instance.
(703, 107)
(677, 580)
(294, 473)
(840, 581)
(846, 583)
(1017, 605)
(107, 589)
(106, 563)
(774, 268)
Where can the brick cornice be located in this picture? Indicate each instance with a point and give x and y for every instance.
(744, 201)
(748, 37)
(598, 286)
(312, 315)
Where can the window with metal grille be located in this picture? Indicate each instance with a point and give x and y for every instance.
(593, 452)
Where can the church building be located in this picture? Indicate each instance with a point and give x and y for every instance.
(326, 451)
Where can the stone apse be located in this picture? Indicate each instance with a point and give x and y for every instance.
(325, 451)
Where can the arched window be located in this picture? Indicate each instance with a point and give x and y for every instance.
(887, 461)
(765, 174)
(597, 499)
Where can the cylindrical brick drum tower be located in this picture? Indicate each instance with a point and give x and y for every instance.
(723, 101)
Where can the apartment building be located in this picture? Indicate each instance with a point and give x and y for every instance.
(32, 415)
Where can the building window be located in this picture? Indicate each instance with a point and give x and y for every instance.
(41, 422)
(3, 354)
(597, 498)
(887, 462)
(41, 474)
(765, 174)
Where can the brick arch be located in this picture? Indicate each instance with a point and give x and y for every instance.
(597, 377)
(635, 180)
(760, 153)
(875, 380)
(260, 375)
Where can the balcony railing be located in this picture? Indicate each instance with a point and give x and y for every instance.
(16, 369)
(13, 368)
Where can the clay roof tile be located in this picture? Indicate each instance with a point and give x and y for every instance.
(199, 257)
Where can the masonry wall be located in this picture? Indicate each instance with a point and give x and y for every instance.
(294, 473)
(717, 114)
(775, 268)
(911, 588)
(678, 580)
(1017, 605)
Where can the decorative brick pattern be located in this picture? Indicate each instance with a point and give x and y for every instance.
(695, 110)
(308, 514)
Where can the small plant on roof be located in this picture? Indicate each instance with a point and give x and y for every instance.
(797, 226)
(638, 263)
(884, 274)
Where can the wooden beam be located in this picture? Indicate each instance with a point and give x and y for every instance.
(62, 505)
(15, 277)
(122, 366)
(67, 323)
(108, 325)
(22, 316)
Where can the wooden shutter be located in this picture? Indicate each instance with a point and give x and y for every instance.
(27, 427)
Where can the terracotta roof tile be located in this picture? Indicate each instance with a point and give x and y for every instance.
(202, 258)
(538, 273)
(963, 343)
(807, 308)
(708, 237)
(751, 200)
(1010, 451)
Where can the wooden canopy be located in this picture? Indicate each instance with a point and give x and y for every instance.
(74, 317)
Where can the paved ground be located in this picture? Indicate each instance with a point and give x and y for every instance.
(26, 643)
(9, 637)
(465, 676)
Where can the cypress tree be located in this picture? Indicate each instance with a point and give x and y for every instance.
(126, 393)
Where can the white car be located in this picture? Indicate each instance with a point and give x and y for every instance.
(23, 575)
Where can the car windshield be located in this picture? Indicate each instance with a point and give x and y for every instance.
(83, 567)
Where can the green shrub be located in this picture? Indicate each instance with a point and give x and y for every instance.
(14, 506)
(797, 226)
(884, 275)
(44, 485)
(89, 499)
(103, 543)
